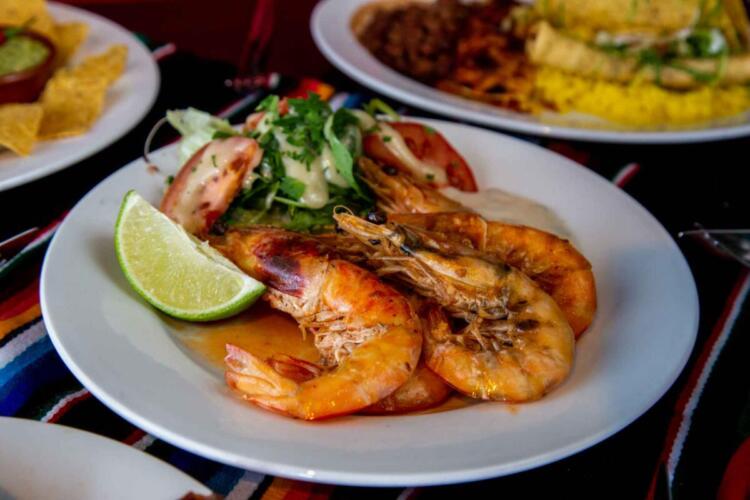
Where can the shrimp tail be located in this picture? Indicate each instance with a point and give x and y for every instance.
(253, 377)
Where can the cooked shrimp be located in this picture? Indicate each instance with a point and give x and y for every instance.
(208, 182)
(502, 360)
(551, 262)
(366, 332)
(424, 389)
(514, 329)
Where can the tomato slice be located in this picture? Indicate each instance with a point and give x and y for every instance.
(430, 147)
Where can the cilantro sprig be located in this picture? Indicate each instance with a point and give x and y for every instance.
(303, 127)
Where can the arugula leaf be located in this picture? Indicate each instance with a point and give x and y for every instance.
(343, 156)
(292, 187)
(346, 128)
(197, 129)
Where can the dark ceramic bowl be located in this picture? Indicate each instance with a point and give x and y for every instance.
(27, 85)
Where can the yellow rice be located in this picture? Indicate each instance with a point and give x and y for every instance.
(639, 103)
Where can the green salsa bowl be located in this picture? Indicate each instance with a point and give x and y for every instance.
(27, 61)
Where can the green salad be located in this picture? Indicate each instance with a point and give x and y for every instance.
(309, 163)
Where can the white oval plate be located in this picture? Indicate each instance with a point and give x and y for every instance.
(53, 461)
(123, 351)
(330, 28)
(127, 102)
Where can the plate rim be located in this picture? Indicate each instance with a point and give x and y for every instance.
(375, 479)
(56, 428)
(449, 111)
(57, 166)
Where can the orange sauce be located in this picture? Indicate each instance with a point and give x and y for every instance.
(260, 330)
(264, 332)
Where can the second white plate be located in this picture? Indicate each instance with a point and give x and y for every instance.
(123, 351)
(127, 102)
(330, 28)
(53, 461)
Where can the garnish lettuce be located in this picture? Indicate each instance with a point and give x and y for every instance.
(197, 129)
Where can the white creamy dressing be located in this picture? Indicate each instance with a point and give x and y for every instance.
(311, 175)
(495, 204)
(397, 146)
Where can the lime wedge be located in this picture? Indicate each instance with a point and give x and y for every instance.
(174, 271)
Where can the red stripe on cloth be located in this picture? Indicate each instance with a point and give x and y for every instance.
(133, 437)
(735, 485)
(21, 301)
(53, 225)
(67, 406)
(690, 386)
(625, 175)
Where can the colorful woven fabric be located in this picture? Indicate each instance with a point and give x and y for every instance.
(692, 444)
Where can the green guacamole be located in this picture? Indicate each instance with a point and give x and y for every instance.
(21, 52)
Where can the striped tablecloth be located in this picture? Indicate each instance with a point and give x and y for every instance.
(692, 444)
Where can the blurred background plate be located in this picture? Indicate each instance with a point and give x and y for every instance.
(129, 99)
(330, 27)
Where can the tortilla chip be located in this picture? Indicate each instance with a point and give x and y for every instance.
(17, 12)
(71, 104)
(68, 37)
(108, 65)
(74, 97)
(32, 13)
(19, 124)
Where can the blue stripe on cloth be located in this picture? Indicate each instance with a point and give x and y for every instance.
(224, 480)
(40, 366)
(25, 358)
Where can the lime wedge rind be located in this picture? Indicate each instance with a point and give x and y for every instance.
(185, 250)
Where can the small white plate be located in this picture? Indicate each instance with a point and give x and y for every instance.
(53, 461)
(128, 100)
(330, 28)
(124, 352)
